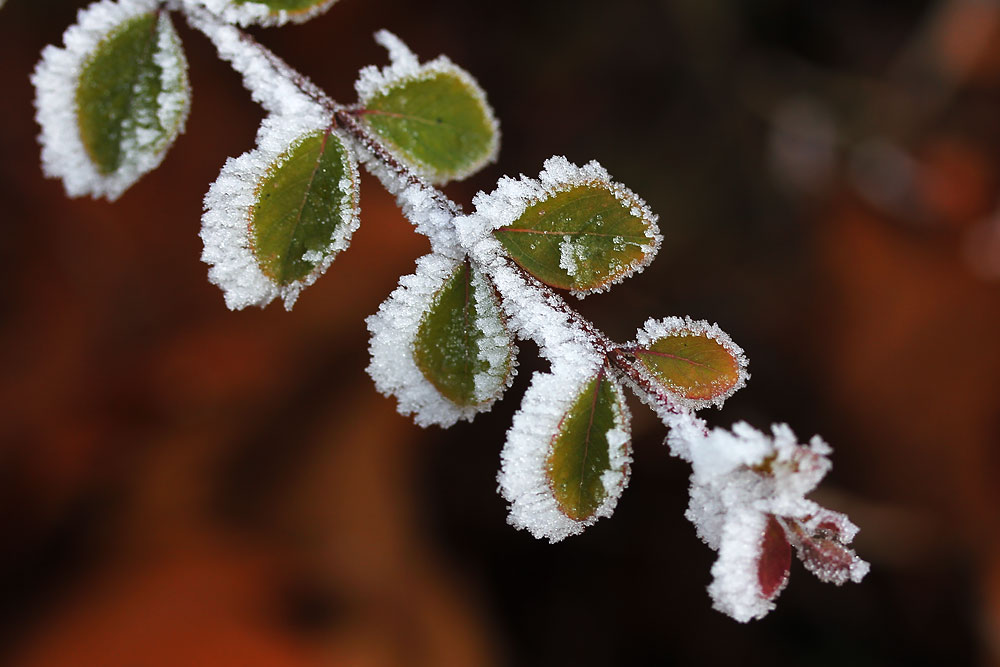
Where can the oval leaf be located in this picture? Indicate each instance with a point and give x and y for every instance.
(573, 228)
(300, 207)
(278, 215)
(462, 346)
(693, 362)
(433, 117)
(588, 461)
(112, 102)
(775, 559)
(440, 345)
(264, 12)
(567, 457)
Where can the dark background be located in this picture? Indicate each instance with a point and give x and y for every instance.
(183, 485)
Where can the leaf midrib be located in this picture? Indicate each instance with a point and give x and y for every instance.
(677, 358)
(302, 205)
(586, 440)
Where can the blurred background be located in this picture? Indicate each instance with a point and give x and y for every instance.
(183, 485)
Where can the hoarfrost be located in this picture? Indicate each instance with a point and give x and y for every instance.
(404, 66)
(615, 478)
(394, 329)
(496, 346)
(654, 330)
(741, 476)
(523, 479)
(56, 78)
(256, 13)
(431, 214)
(225, 229)
(512, 197)
(271, 82)
(570, 254)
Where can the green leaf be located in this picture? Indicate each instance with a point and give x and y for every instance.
(290, 6)
(588, 460)
(132, 96)
(690, 359)
(456, 346)
(438, 122)
(303, 205)
(583, 238)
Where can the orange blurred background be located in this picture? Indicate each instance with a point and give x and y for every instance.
(183, 485)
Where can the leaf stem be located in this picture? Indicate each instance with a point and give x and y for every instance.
(348, 118)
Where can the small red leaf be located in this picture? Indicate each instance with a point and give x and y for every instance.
(829, 560)
(775, 559)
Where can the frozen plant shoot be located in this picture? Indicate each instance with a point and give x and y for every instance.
(114, 97)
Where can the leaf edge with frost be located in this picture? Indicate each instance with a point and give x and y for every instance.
(225, 231)
(655, 329)
(393, 330)
(512, 197)
(258, 13)
(523, 480)
(56, 78)
(405, 66)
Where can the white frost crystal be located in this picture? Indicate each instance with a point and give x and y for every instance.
(394, 329)
(267, 77)
(258, 13)
(225, 228)
(404, 66)
(740, 477)
(56, 79)
(654, 330)
(512, 197)
(523, 475)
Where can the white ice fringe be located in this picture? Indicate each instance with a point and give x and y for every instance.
(653, 330)
(225, 229)
(56, 79)
(267, 78)
(730, 501)
(523, 479)
(512, 197)
(404, 66)
(257, 13)
(394, 329)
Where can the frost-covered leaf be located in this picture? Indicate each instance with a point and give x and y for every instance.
(439, 343)
(462, 346)
(276, 216)
(820, 542)
(574, 228)
(775, 559)
(264, 12)
(746, 485)
(586, 464)
(113, 100)
(434, 117)
(694, 362)
(567, 456)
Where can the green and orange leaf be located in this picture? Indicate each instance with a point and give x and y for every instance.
(693, 362)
